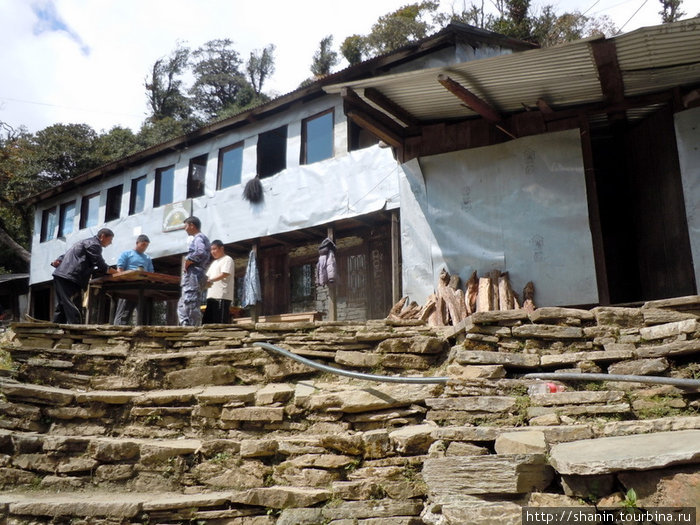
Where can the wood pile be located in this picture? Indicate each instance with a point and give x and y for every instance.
(451, 303)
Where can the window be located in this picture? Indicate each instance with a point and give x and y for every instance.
(195, 176)
(113, 206)
(272, 152)
(302, 281)
(317, 138)
(89, 210)
(230, 166)
(359, 137)
(65, 220)
(165, 186)
(48, 224)
(357, 271)
(137, 196)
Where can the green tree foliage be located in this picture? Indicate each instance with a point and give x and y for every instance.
(325, 58)
(260, 66)
(391, 31)
(218, 78)
(670, 10)
(164, 88)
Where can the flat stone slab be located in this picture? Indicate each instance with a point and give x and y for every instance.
(637, 452)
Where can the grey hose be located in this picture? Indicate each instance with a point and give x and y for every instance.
(683, 383)
(348, 373)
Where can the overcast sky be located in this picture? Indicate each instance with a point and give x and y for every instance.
(85, 61)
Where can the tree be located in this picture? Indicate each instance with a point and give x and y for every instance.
(261, 64)
(164, 88)
(218, 78)
(354, 48)
(62, 151)
(670, 10)
(325, 58)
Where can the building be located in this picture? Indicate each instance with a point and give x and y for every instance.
(576, 167)
(322, 174)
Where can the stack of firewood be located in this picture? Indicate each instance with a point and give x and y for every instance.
(452, 304)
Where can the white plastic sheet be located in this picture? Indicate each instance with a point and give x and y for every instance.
(519, 207)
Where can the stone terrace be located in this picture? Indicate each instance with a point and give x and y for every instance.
(116, 425)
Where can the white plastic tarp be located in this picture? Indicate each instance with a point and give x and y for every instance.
(519, 207)
(688, 139)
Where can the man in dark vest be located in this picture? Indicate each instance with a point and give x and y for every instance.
(73, 272)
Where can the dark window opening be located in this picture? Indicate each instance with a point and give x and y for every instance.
(113, 206)
(230, 166)
(65, 221)
(164, 187)
(196, 175)
(48, 224)
(359, 137)
(317, 138)
(272, 152)
(302, 281)
(137, 196)
(89, 210)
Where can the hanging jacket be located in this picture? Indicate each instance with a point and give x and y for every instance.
(251, 283)
(326, 269)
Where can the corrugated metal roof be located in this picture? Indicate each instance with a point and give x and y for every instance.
(651, 59)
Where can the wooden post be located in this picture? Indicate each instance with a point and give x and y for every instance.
(332, 305)
(395, 263)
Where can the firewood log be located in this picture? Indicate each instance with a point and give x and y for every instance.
(494, 276)
(398, 307)
(529, 297)
(472, 290)
(484, 299)
(505, 292)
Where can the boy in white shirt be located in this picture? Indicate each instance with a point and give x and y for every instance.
(219, 285)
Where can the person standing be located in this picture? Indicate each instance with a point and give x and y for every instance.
(219, 285)
(73, 272)
(135, 259)
(194, 276)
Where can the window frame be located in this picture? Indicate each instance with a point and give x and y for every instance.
(109, 204)
(263, 157)
(62, 217)
(133, 194)
(191, 183)
(85, 207)
(220, 167)
(45, 235)
(158, 185)
(304, 154)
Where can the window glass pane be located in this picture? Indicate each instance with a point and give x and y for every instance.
(319, 138)
(272, 152)
(165, 184)
(89, 211)
(113, 208)
(138, 195)
(49, 220)
(196, 175)
(302, 282)
(67, 216)
(230, 166)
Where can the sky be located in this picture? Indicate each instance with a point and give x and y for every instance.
(85, 61)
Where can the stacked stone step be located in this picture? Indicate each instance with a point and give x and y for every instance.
(158, 423)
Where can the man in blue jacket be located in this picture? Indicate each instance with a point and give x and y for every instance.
(136, 259)
(73, 272)
(194, 277)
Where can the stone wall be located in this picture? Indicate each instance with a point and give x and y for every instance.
(173, 425)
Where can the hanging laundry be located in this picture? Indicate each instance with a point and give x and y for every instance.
(251, 283)
(325, 269)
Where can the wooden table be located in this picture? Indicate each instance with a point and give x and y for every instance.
(134, 285)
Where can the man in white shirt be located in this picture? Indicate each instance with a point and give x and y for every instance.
(219, 285)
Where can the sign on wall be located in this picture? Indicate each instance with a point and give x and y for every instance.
(175, 213)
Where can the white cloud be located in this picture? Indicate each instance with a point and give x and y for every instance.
(89, 61)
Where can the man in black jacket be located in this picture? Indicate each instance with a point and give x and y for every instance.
(73, 272)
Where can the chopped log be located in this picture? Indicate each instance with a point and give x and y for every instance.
(505, 293)
(484, 298)
(529, 297)
(428, 308)
(459, 296)
(456, 311)
(398, 307)
(472, 291)
(411, 311)
(454, 282)
(494, 276)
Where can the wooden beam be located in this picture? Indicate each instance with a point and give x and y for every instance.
(611, 84)
(332, 300)
(391, 107)
(544, 107)
(395, 257)
(380, 130)
(482, 107)
(474, 103)
(353, 102)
